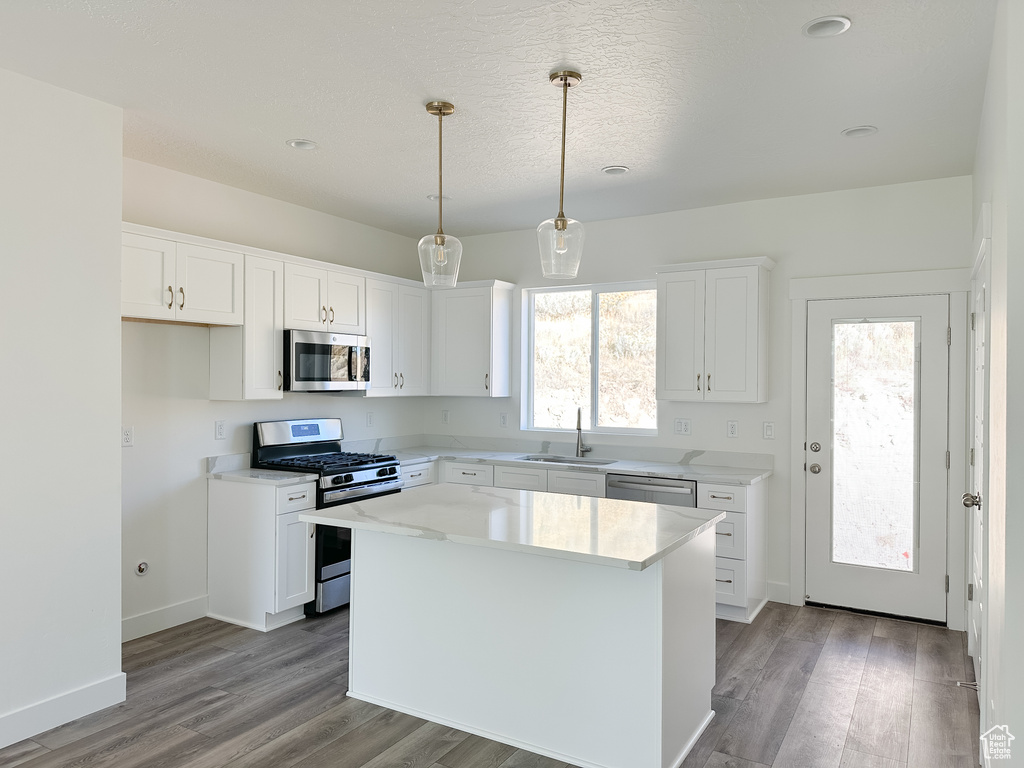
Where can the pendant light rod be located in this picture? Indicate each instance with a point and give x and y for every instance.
(565, 80)
(440, 108)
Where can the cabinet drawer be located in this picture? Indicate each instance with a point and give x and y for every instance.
(576, 483)
(523, 478)
(731, 536)
(731, 498)
(419, 474)
(730, 581)
(469, 474)
(295, 497)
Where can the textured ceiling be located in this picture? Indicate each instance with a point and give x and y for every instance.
(707, 101)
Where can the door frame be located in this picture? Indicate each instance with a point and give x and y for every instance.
(957, 284)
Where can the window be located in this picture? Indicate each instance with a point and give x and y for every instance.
(593, 348)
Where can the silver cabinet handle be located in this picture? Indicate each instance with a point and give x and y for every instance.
(471, 474)
(725, 498)
(182, 305)
(332, 314)
(719, 533)
(698, 382)
(170, 303)
(487, 381)
(709, 382)
(396, 381)
(415, 474)
(312, 533)
(323, 315)
(297, 498)
(652, 487)
(402, 385)
(724, 581)
(280, 381)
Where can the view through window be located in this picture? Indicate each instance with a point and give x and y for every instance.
(594, 349)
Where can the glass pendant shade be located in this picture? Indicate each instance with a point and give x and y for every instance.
(440, 256)
(560, 249)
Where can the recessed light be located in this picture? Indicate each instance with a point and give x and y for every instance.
(860, 130)
(826, 26)
(615, 170)
(306, 144)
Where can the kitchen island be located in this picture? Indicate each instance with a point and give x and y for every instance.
(579, 628)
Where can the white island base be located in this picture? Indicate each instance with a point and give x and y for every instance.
(593, 665)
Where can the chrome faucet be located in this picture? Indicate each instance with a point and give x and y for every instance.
(580, 447)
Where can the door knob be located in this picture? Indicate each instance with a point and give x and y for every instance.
(972, 500)
(815, 469)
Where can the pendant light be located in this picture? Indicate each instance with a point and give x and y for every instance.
(561, 239)
(440, 254)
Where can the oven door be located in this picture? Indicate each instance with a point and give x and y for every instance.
(317, 361)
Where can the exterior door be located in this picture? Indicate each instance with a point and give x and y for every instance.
(877, 389)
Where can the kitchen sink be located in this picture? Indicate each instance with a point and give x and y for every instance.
(568, 460)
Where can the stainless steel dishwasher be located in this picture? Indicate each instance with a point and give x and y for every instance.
(657, 490)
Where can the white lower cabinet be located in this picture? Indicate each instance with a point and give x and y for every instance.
(521, 478)
(741, 586)
(467, 473)
(576, 483)
(419, 474)
(260, 554)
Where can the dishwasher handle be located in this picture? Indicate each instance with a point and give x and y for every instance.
(658, 487)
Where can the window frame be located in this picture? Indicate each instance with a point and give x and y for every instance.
(596, 289)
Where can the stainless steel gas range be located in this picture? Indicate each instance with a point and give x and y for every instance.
(314, 446)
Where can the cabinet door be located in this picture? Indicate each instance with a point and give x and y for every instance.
(731, 334)
(294, 565)
(381, 311)
(264, 325)
(576, 483)
(521, 478)
(680, 363)
(147, 277)
(412, 341)
(305, 298)
(346, 303)
(209, 285)
(462, 342)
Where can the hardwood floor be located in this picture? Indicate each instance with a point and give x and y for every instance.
(802, 687)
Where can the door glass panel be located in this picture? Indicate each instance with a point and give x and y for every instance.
(874, 444)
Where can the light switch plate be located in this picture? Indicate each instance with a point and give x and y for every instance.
(503, 419)
(769, 430)
(444, 417)
(682, 427)
(369, 418)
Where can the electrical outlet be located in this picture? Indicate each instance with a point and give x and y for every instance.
(369, 418)
(732, 429)
(444, 417)
(682, 426)
(769, 430)
(127, 437)
(220, 430)
(503, 420)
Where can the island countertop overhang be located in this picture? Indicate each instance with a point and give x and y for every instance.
(613, 532)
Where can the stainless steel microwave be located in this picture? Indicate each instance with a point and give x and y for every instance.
(320, 361)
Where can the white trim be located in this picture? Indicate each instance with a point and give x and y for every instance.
(143, 624)
(957, 477)
(42, 716)
(880, 284)
(750, 261)
(778, 592)
(954, 282)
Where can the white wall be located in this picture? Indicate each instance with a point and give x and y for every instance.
(60, 523)
(906, 227)
(999, 174)
(165, 385)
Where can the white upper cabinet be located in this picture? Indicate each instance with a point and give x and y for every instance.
(166, 280)
(398, 324)
(247, 363)
(318, 299)
(713, 331)
(471, 339)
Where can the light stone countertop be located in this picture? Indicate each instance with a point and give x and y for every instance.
(264, 477)
(702, 473)
(613, 532)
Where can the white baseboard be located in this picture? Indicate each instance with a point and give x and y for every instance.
(778, 592)
(147, 623)
(25, 723)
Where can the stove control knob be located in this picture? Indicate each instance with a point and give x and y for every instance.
(382, 472)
